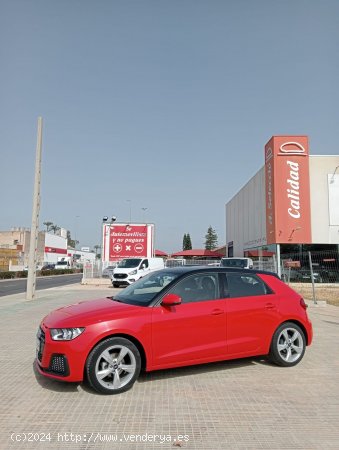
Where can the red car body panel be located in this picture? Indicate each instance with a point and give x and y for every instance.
(290, 308)
(192, 332)
(251, 322)
(173, 336)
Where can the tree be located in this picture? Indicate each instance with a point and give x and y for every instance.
(186, 242)
(96, 248)
(189, 242)
(72, 243)
(54, 228)
(48, 225)
(211, 237)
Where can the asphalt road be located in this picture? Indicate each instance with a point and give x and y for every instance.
(17, 286)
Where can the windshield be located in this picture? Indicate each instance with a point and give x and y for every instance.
(143, 291)
(62, 263)
(128, 263)
(234, 262)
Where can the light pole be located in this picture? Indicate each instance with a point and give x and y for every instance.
(332, 178)
(33, 247)
(144, 214)
(75, 231)
(105, 221)
(130, 210)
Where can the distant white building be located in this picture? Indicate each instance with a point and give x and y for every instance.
(15, 247)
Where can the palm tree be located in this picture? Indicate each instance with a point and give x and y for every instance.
(48, 225)
(54, 228)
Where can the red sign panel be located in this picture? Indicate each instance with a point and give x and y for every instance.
(288, 215)
(127, 241)
(62, 251)
(292, 264)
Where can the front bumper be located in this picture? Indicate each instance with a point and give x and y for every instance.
(63, 360)
(123, 282)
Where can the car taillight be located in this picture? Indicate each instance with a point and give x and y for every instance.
(303, 304)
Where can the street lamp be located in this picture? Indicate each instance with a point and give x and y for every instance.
(143, 216)
(332, 178)
(106, 221)
(292, 232)
(75, 231)
(130, 210)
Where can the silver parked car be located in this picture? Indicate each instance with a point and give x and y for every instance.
(108, 271)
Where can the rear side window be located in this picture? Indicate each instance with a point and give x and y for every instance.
(244, 285)
(197, 288)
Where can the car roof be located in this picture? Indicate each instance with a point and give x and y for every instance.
(197, 269)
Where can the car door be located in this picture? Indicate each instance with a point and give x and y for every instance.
(252, 314)
(195, 330)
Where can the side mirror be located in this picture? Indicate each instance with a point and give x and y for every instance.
(171, 300)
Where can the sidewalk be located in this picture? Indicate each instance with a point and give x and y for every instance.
(243, 404)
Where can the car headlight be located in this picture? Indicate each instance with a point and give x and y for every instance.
(65, 334)
(134, 272)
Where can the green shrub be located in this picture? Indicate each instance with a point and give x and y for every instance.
(7, 275)
(22, 274)
(45, 273)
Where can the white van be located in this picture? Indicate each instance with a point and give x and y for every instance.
(130, 270)
(237, 263)
(64, 262)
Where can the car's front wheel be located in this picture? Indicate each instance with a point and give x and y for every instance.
(288, 345)
(113, 366)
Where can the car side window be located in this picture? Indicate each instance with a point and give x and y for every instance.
(197, 288)
(245, 285)
(144, 263)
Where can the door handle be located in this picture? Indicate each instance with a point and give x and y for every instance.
(217, 312)
(270, 306)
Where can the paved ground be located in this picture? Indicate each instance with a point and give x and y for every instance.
(247, 404)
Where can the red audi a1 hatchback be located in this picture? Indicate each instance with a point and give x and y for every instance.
(170, 318)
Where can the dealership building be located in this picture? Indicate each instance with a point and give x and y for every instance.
(291, 202)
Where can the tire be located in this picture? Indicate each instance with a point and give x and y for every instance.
(113, 366)
(288, 345)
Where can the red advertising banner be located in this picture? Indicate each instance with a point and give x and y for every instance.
(288, 215)
(62, 251)
(127, 241)
(295, 264)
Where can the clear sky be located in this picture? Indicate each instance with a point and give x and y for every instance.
(165, 103)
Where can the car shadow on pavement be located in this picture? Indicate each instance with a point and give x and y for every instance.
(54, 385)
(145, 377)
(200, 369)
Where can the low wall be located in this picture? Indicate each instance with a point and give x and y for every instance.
(97, 281)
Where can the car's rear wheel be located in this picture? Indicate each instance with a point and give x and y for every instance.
(113, 366)
(288, 345)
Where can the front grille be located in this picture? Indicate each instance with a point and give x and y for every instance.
(59, 365)
(40, 343)
(120, 276)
